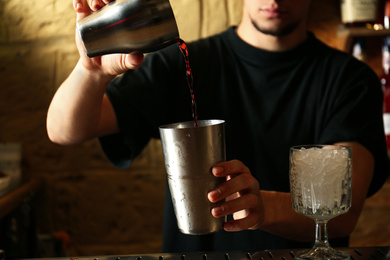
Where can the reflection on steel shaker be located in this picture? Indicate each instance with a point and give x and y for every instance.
(124, 26)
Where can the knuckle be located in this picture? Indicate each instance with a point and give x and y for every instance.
(252, 200)
(246, 178)
(240, 166)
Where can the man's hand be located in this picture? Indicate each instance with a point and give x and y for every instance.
(242, 196)
(107, 65)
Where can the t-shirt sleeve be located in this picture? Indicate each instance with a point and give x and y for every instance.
(116, 150)
(143, 100)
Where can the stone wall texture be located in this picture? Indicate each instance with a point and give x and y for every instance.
(103, 209)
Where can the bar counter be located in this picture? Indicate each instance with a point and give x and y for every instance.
(360, 253)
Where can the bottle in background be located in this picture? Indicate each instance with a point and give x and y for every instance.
(385, 81)
(386, 18)
(355, 13)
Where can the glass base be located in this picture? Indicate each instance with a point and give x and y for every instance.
(322, 253)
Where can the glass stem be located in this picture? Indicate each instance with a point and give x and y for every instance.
(321, 234)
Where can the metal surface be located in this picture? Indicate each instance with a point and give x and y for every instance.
(361, 253)
(124, 26)
(189, 153)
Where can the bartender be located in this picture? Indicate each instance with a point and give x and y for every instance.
(273, 82)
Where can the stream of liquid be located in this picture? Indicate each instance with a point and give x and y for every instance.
(190, 79)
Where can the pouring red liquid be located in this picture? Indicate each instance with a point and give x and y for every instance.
(190, 79)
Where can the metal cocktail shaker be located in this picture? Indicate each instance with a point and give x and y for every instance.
(189, 154)
(124, 26)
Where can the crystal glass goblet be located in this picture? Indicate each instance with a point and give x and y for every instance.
(320, 186)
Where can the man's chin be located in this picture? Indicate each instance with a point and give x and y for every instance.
(277, 31)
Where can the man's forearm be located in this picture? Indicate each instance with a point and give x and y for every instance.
(282, 220)
(74, 112)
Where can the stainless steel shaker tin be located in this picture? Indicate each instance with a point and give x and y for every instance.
(189, 154)
(124, 26)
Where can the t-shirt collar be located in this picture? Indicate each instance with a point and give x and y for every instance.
(256, 55)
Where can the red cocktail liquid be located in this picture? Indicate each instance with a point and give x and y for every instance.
(190, 79)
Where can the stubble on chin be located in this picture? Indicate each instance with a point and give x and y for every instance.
(277, 31)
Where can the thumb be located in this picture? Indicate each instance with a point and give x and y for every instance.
(133, 60)
(136, 58)
(120, 63)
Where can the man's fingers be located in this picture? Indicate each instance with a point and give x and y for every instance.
(82, 8)
(97, 4)
(229, 168)
(86, 7)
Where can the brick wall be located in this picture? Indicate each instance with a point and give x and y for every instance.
(103, 209)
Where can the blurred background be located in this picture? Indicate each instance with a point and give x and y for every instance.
(71, 200)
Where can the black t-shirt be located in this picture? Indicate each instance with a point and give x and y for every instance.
(270, 101)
